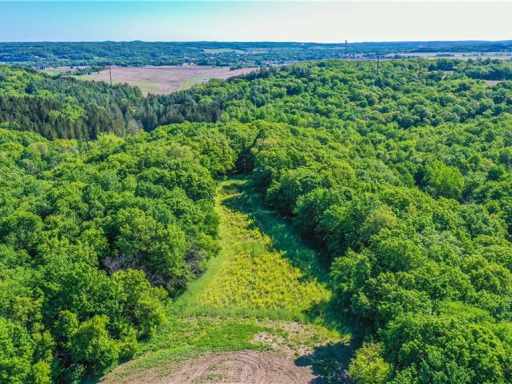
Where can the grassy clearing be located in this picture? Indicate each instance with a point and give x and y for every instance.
(251, 275)
(264, 291)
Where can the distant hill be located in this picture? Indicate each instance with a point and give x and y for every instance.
(241, 54)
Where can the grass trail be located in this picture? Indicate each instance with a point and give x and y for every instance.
(270, 274)
(264, 291)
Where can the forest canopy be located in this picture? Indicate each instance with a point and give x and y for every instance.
(94, 239)
(398, 172)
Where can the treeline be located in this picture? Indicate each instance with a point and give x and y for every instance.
(486, 69)
(94, 239)
(370, 94)
(412, 93)
(73, 109)
(139, 53)
(232, 54)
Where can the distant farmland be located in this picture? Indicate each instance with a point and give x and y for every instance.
(165, 79)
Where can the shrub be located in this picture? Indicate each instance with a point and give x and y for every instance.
(368, 366)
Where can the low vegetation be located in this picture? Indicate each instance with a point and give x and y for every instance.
(163, 80)
(249, 275)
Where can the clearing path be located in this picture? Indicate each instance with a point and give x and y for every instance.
(263, 267)
(244, 321)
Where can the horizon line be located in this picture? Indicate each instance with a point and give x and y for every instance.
(261, 41)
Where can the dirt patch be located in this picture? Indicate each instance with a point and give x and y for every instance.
(245, 367)
(165, 79)
(492, 83)
(292, 339)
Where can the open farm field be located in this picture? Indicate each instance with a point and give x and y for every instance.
(165, 79)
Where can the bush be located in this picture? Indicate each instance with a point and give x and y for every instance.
(368, 366)
(92, 347)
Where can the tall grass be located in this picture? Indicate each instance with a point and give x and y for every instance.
(256, 272)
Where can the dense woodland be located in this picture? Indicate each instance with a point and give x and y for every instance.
(232, 54)
(71, 108)
(398, 172)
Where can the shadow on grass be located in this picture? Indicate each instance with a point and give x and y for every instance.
(329, 363)
(243, 197)
(284, 238)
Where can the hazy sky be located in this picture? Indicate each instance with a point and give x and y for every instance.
(319, 21)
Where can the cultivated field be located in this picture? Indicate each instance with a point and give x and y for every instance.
(165, 79)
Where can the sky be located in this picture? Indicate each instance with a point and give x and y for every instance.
(314, 21)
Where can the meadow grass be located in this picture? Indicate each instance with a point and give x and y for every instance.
(251, 274)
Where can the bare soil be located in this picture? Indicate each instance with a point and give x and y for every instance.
(245, 367)
(165, 79)
(492, 83)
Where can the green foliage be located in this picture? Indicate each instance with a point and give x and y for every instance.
(15, 353)
(142, 302)
(444, 181)
(94, 238)
(368, 366)
(447, 349)
(92, 347)
(400, 177)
